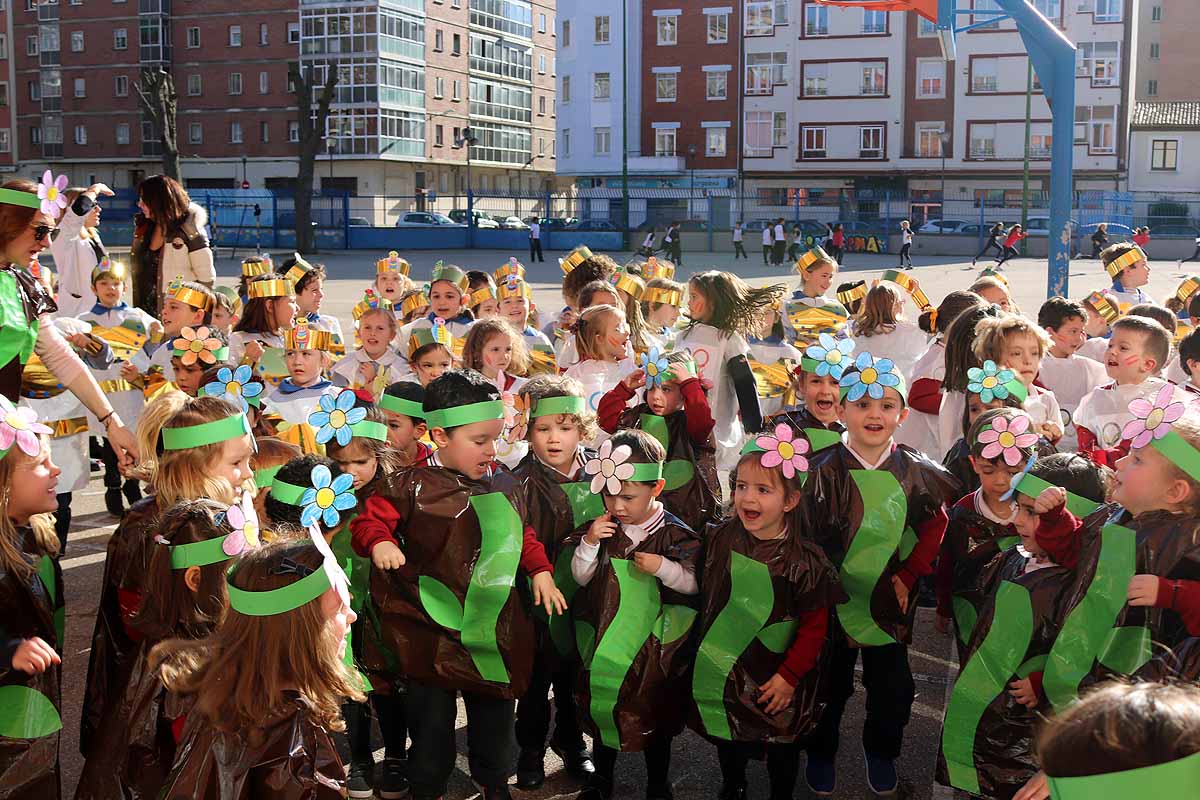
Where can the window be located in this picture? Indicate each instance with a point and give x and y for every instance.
(541, 64)
(874, 21)
(541, 23)
(235, 35)
(262, 33)
(195, 133)
(76, 41)
(757, 134)
(80, 86)
(1102, 129)
(566, 33)
(121, 86)
(1099, 61)
(35, 135)
(986, 21)
(983, 141)
(668, 30)
(454, 91)
(566, 89)
(931, 78)
(714, 141)
(874, 79)
(31, 45)
(80, 134)
(293, 131)
(541, 105)
(264, 131)
(870, 138)
(4, 94)
(926, 29)
(929, 139)
(235, 133)
(816, 20)
(601, 86)
(5, 140)
(1050, 9)
(195, 86)
(456, 44)
(602, 141)
(812, 143)
(123, 133)
(541, 149)
(235, 83)
(664, 141)
(438, 41)
(1152, 87)
(1040, 145)
(716, 85)
(760, 18)
(601, 30)
(3, 45)
(439, 87)
(1164, 154)
(718, 28)
(35, 90)
(816, 80)
(193, 37)
(1154, 51)
(566, 140)
(120, 39)
(1156, 13)
(764, 71)
(666, 87)
(983, 75)
(1108, 11)
(293, 32)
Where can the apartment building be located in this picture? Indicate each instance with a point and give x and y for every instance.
(1168, 59)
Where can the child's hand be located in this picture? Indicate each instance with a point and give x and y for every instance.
(647, 562)
(567, 318)
(1023, 692)
(1050, 499)
(1035, 789)
(546, 594)
(100, 189)
(1143, 590)
(129, 372)
(901, 593)
(34, 656)
(1051, 431)
(634, 380)
(387, 555)
(683, 370)
(254, 350)
(942, 624)
(602, 528)
(366, 374)
(776, 694)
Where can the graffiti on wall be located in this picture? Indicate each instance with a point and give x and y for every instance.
(855, 242)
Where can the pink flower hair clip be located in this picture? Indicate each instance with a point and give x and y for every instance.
(1152, 420)
(1007, 437)
(784, 450)
(19, 426)
(50, 192)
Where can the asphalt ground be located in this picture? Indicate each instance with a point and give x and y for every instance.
(694, 767)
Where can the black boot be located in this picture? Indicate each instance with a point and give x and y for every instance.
(531, 769)
(132, 491)
(112, 501)
(576, 759)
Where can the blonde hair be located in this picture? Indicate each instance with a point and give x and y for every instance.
(988, 282)
(1188, 427)
(477, 339)
(661, 283)
(12, 557)
(589, 325)
(878, 314)
(544, 386)
(992, 332)
(149, 426)
(184, 474)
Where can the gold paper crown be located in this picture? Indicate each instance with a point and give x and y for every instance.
(849, 297)
(1123, 261)
(114, 269)
(393, 263)
(991, 272)
(658, 268)
(437, 333)
(273, 287)
(253, 266)
(1103, 305)
(413, 302)
(631, 285)
(905, 282)
(189, 296)
(512, 267)
(668, 297)
(231, 294)
(513, 286)
(1188, 288)
(574, 259)
(482, 294)
(305, 337)
(813, 256)
(298, 270)
(371, 302)
(451, 274)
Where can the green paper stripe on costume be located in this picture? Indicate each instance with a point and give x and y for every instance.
(676, 473)
(1032, 486)
(1007, 542)
(585, 640)
(440, 603)
(1087, 628)
(585, 506)
(492, 581)
(46, 573)
(820, 438)
(1035, 664)
(985, 676)
(1127, 649)
(907, 542)
(17, 335)
(674, 622)
(751, 598)
(355, 566)
(26, 713)
(965, 616)
(625, 635)
(560, 624)
(884, 511)
(778, 637)
(656, 426)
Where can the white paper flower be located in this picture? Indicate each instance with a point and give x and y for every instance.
(609, 468)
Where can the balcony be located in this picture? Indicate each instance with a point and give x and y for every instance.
(657, 165)
(983, 151)
(983, 84)
(872, 90)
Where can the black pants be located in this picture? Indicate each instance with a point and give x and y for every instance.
(535, 250)
(778, 251)
(658, 764)
(354, 744)
(766, 253)
(432, 713)
(793, 251)
(991, 243)
(677, 253)
(1009, 252)
(62, 521)
(890, 692)
(783, 765)
(835, 253)
(393, 724)
(904, 256)
(739, 250)
(533, 710)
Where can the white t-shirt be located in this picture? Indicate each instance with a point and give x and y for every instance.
(906, 235)
(779, 234)
(903, 345)
(535, 230)
(1105, 410)
(737, 233)
(1070, 379)
(920, 430)
(767, 236)
(1042, 406)
(1094, 348)
(712, 348)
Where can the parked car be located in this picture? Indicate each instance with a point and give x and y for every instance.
(552, 223)
(426, 219)
(513, 224)
(482, 218)
(944, 226)
(593, 225)
(359, 222)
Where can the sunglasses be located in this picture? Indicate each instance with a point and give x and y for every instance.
(41, 232)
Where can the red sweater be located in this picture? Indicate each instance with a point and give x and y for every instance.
(925, 395)
(379, 520)
(806, 647)
(1089, 445)
(1013, 238)
(929, 541)
(695, 407)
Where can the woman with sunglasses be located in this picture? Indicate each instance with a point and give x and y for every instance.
(168, 241)
(26, 222)
(77, 249)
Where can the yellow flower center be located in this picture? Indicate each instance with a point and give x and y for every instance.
(990, 382)
(1155, 419)
(337, 418)
(834, 356)
(15, 422)
(196, 346)
(325, 497)
(786, 450)
(233, 387)
(869, 375)
(1006, 439)
(652, 370)
(250, 532)
(52, 193)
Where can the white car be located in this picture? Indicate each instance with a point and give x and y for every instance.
(513, 224)
(425, 219)
(943, 226)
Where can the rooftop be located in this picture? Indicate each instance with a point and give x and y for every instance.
(1160, 116)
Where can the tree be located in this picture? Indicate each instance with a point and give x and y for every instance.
(158, 99)
(312, 139)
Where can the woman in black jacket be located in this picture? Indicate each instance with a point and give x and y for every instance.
(1099, 239)
(994, 235)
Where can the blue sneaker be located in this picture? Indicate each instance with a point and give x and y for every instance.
(881, 774)
(820, 775)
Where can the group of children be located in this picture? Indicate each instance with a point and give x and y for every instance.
(664, 505)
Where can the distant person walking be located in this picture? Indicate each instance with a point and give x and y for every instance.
(738, 249)
(647, 248)
(1099, 239)
(1141, 237)
(535, 242)
(1015, 234)
(994, 235)
(768, 242)
(794, 246)
(1195, 256)
(676, 251)
(906, 240)
(779, 242)
(837, 243)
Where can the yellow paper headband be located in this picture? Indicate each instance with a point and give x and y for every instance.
(435, 334)
(276, 287)
(298, 270)
(849, 297)
(372, 302)
(305, 337)
(629, 284)
(413, 302)
(666, 297)
(574, 259)
(393, 263)
(255, 266)
(813, 256)
(513, 267)
(655, 268)
(1103, 305)
(452, 275)
(189, 296)
(481, 295)
(1125, 260)
(1188, 288)
(513, 287)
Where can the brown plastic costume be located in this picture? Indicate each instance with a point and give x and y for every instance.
(453, 615)
(690, 469)
(973, 542)
(294, 759)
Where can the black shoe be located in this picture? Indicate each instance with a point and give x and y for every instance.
(598, 789)
(358, 780)
(659, 792)
(531, 770)
(496, 793)
(112, 501)
(732, 792)
(132, 491)
(391, 779)
(576, 759)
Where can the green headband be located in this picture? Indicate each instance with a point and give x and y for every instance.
(281, 600)
(15, 197)
(398, 405)
(199, 554)
(646, 473)
(1032, 486)
(818, 439)
(264, 476)
(458, 416)
(220, 354)
(1162, 779)
(548, 406)
(287, 493)
(368, 429)
(221, 430)
(1180, 453)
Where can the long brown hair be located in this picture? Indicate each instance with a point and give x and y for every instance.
(12, 558)
(166, 199)
(241, 673)
(15, 219)
(258, 315)
(477, 339)
(878, 314)
(733, 305)
(149, 428)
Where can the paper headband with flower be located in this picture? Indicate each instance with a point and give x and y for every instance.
(656, 367)
(237, 386)
(303, 336)
(516, 416)
(371, 301)
(510, 267)
(783, 449)
(611, 467)
(325, 497)
(513, 286)
(1008, 437)
(1152, 425)
(337, 418)
(199, 345)
(828, 357)
(242, 520)
(19, 426)
(658, 268)
(992, 382)
(393, 263)
(437, 333)
(870, 376)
